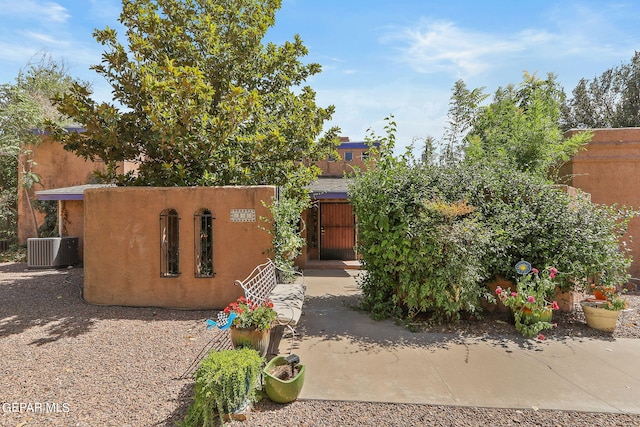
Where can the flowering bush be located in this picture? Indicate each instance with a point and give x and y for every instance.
(252, 315)
(530, 301)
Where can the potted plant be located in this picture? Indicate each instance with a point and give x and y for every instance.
(603, 314)
(251, 325)
(283, 378)
(226, 384)
(530, 300)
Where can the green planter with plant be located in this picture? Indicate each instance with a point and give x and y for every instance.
(284, 378)
(226, 382)
(530, 300)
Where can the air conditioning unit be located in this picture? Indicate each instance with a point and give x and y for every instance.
(51, 252)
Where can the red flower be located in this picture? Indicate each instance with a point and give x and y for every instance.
(552, 272)
(555, 306)
(531, 298)
(498, 290)
(534, 270)
(541, 337)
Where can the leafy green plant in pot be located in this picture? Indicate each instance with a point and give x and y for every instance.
(252, 323)
(226, 382)
(530, 300)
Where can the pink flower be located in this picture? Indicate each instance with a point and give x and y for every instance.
(541, 337)
(552, 272)
(534, 270)
(498, 290)
(531, 298)
(514, 294)
(555, 306)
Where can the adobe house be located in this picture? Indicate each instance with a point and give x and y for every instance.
(609, 170)
(329, 226)
(142, 246)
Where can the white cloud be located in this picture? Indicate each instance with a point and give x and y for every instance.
(32, 9)
(418, 111)
(443, 47)
(45, 38)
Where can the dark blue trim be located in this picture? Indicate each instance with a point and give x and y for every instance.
(330, 195)
(365, 145)
(61, 196)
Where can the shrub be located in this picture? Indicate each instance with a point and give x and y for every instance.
(422, 253)
(430, 236)
(528, 218)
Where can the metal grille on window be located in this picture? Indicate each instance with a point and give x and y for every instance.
(169, 243)
(203, 228)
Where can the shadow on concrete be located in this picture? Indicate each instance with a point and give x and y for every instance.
(339, 317)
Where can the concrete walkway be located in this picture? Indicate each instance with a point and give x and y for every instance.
(351, 357)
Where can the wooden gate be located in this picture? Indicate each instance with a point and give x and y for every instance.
(337, 231)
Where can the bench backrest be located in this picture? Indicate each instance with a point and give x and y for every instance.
(259, 284)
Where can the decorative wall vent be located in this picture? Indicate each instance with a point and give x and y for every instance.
(243, 215)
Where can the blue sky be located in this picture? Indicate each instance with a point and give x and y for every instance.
(378, 57)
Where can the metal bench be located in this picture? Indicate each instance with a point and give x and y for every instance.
(264, 283)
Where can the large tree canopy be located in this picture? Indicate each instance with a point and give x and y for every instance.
(611, 100)
(199, 100)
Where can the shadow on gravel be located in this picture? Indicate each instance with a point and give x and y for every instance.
(182, 402)
(52, 299)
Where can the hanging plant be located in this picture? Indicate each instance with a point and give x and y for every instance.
(226, 382)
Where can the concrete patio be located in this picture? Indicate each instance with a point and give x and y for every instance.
(353, 358)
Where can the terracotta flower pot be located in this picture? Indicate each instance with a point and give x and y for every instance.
(599, 293)
(250, 337)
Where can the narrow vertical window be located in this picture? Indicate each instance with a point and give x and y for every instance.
(169, 243)
(203, 228)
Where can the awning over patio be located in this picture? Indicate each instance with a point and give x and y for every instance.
(75, 192)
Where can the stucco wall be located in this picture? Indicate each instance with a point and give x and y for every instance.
(72, 219)
(609, 170)
(339, 167)
(122, 244)
(57, 168)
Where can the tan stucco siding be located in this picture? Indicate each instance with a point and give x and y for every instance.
(122, 244)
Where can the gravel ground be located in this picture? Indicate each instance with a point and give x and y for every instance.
(67, 363)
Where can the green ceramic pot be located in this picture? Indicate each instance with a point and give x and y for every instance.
(281, 391)
(529, 317)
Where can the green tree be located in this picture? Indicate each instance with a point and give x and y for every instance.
(464, 106)
(610, 100)
(199, 100)
(520, 129)
(26, 104)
